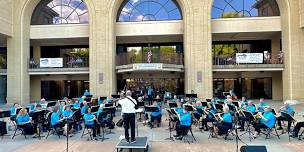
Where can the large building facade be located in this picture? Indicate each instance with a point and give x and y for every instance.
(56, 48)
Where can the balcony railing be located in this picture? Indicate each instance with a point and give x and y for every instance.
(231, 60)
(166, 58)
(67, 62)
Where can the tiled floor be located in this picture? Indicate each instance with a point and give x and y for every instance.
(156, 141)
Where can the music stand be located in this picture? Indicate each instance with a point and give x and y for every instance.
(89, 96)
(140, 104)
(38, 117)
(219, 107)
(226, 94)
(251, 119)
(115, 96)
(108, 105)
(191, 108)
(94, 109)
(151, 109)
(17, 111)
(172, 104)
(102, 98)
(204, 104)
(51, 104)
(191, 95)
(208, 100)
(235, 103)
(232, 108)
(170, 111)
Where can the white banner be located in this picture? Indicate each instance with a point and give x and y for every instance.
(148, 66)
(51, 62)
(249, 58)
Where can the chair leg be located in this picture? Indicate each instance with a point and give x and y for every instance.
(83, 132)
(48, 134)
(14, 133)
(278, 134)
(192, 135)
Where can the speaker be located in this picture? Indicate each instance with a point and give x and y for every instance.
(253, 149)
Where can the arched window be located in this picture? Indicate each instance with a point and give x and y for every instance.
(60, 12)
(244, 8)
(148, 10)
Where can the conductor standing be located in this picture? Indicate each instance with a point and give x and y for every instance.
(128, 105)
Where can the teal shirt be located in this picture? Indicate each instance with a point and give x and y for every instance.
(261, 106)
(76, 105)
(22, 119)
(227, 118)
(185, 119)
(155, 114)
(67, 113)
(54, 118)
(88, 117)
(289, 110)
(84, 109)
(251, 109)
(179, 110)
(13, 111)
(271, 119)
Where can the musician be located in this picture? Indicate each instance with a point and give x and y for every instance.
(86, 93)
(174, 98)
(225, 123)
(61, 107)
(209, 111)
(296, 129)
(228, 99)
(84, 107)
(199, 110)
(76, 104)
(287, 109)
(184, 123)
(90, 121)
(31, 106)
(243, 102)
(67, 113)
(155, 116)
(262, 105)
(23, 121)
(56, 121)
(38, 107)
(14, 108)
(250, 108)
(266, 120)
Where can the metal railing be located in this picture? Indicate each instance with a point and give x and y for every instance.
(166, 58)
(68, 62)
(231, 60)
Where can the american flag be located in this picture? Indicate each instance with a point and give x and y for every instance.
(149, 56)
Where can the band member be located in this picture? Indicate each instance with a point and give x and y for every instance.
(174, 99)
(90, 121)
(13, 109)
(286, 109)
(56, 121)
(250, 108)
(262, 105)
(84, 107)
(228, 99)
(155, 116)
(184, 123)
(76, 104)
(243, 102)
(225, 122)
(23, 121)
(296, 129)
(210, 110)
(266, 120)
(199, 110)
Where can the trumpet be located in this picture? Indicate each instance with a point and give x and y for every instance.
(258, 116)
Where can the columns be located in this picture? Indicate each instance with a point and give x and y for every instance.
(35, 82)
(277, 86)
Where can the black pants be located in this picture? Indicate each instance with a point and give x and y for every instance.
(258, 126)
(223, 128)
(129, 121)
(206, 120)
(297, 128)
(158, 118)
(181, 129)
(242, 121)
(3, 130)
(29, 128)
(95, 127)
(280, 119)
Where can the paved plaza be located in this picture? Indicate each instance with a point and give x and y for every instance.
(156, 138)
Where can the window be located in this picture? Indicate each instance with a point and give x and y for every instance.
(244, 8)
(149, 10)
(60, 12)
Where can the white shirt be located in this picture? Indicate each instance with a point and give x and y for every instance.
(127, 106)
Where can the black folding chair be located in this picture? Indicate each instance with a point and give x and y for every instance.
(89, 132)
(17, 128)
(51, 129)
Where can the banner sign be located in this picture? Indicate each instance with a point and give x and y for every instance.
(249, 58)
(148, 66)
(51, 62)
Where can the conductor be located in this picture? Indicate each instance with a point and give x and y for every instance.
(128, 105)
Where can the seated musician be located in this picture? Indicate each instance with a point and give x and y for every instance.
(228, 98)
(84, 107)
(262, 105)
(76, 104)
(90, 121)
(179, 110)
(37, 108)
(250, 108)
(243, 102)
(13, 109)
(266, 120)
(31, 106)
(174, 99)
(67, 113)
(184, 123)
(297, 129)
(23, 120)
(86, 93)
(199, 110)
(61, 107)
(286, 109)
(56, 121)
(211, 109)
(225, 123)
(155, 117)
(103, 117)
